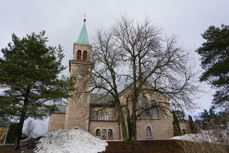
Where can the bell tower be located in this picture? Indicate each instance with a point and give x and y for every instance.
(77, 111)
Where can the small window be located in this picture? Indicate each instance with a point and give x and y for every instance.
(95, 115)
(106, 116)
(146, 114)
(110, 134)
(98, 133)
(79, 55)
(85, 55)
(148, 132)
(101, 116)
(104, 134)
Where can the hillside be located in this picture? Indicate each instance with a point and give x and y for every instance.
(150, 146)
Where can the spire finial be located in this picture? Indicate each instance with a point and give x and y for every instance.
(84, 20)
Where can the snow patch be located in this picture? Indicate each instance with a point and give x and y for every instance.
(206, 136)
(195, 137)
(41, 126)
(70, 141)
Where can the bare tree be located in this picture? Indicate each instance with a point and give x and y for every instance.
(106, 75)
(135, 55)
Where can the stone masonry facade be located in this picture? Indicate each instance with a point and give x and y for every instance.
(86, 111)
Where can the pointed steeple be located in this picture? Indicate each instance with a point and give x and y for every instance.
(83, 37)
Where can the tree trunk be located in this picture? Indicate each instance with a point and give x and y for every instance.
(21, 123)
(129, 129)
(22, 119)
(133, 130)
(124, 129)
(122, 122)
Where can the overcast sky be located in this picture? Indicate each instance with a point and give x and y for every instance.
(62, 21)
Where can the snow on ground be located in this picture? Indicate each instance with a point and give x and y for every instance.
(70, 141)
(194, 137)
(40, 126)
(206, 136)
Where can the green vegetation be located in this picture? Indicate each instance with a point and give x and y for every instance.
(208, 119)
(12, 133)
(29, 76)
(215, 61)
(192, 125)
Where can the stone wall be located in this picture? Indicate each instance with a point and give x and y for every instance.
(81, 47)
(114, 125)
(160, 129)
(56, 121)
(184, 126)
(77, 113)
(77, 116)
(110, 110)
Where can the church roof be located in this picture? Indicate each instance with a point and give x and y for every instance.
(83, 37)
(101, 100)
(60, 109)
(96, 100)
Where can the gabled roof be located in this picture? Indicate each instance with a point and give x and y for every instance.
(83, 37)
(96, 100)
(101, 100)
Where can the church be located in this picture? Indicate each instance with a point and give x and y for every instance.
(86, 111)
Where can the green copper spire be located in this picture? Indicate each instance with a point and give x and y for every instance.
(83, 38)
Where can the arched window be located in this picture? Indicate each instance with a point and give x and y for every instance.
(106, 116)
(144, 102)
(95, 115)
(142, 105)
(155, 113)
(85, 55)
(147, 114)
(148, 132)
(110, 134)
(145, 105)
(98, 133)
(101, 116)
(79, 55)
(104, 134)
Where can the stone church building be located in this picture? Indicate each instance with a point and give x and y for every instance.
(87, 110)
